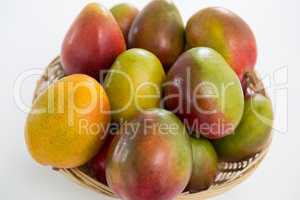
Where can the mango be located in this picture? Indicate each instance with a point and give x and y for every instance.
(227, 33)
(92, 43)
(98, 164)
(150, 158)
(253, 133)
(67, 124)
(134, 84)
(159, 28)
(124, 14)
(203, 90)
(205, 165)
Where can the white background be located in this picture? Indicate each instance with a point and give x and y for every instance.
(31, 33)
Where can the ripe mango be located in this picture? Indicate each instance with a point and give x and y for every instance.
(134, 83)
(253, 133)
(227, 33)
(159, 28)
(124, 14)
(92, 43)
(150, 158)
(205, 165)
(205, 93)
(67, 124)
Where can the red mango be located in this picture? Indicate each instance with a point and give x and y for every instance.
(150, 158)
(227, 33)
(92, 43)
(98, 163)
(159, 28)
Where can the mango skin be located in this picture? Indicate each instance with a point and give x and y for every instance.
(205, 93)
(150, 163)
(92, 43)
(58, 136)
(227, 33)
(205, 165)
(124, 14)
(253, 133)
(159, 28)
(135, 75)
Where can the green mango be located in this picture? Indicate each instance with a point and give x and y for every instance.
(205, 165)
(124, 14)
(203, 90)
(253, 133)
(134, 83)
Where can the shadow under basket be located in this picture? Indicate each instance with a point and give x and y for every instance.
(229, 175)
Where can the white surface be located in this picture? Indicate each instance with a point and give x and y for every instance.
(31, 33)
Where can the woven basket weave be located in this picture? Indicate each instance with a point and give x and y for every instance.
(229, 175)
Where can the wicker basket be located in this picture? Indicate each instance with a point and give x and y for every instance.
(230, 174)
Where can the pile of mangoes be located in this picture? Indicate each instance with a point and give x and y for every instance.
(151, 105)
